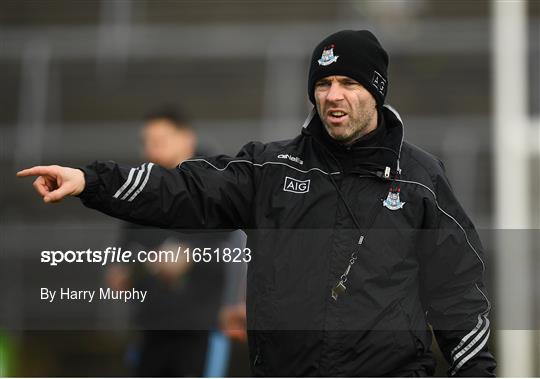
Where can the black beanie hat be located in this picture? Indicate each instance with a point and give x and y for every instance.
(356, 54)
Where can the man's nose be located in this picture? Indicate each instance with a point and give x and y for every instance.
(335, 93)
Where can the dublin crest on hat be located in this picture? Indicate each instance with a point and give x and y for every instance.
(328, 56)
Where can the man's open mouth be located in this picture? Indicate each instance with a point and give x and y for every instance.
(336, 116)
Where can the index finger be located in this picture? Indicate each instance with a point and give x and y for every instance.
(36, 170)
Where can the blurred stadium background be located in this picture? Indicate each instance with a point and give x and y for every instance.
(77, 76)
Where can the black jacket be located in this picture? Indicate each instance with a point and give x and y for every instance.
(311, 207)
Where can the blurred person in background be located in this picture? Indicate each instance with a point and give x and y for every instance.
(394, 256)
(233, 322)
(168, 138)
(182, 295)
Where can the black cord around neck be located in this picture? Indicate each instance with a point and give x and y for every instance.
(335, 184)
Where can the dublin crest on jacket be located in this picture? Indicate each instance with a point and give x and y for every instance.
(392, 201)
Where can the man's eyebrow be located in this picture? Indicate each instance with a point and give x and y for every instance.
(323, 80)
(348, 80)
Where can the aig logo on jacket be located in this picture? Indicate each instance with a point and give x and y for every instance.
(295, 185)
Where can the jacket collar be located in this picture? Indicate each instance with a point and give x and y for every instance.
(371, 153)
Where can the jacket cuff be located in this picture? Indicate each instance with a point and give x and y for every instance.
(482, 365)
(91, 183)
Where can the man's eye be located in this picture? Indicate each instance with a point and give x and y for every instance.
(321, 84)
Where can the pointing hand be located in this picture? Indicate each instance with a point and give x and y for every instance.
(54, 183)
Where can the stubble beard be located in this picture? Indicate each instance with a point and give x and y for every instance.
(354, 129)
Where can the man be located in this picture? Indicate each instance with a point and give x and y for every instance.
(358, 241)
(182, 295)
